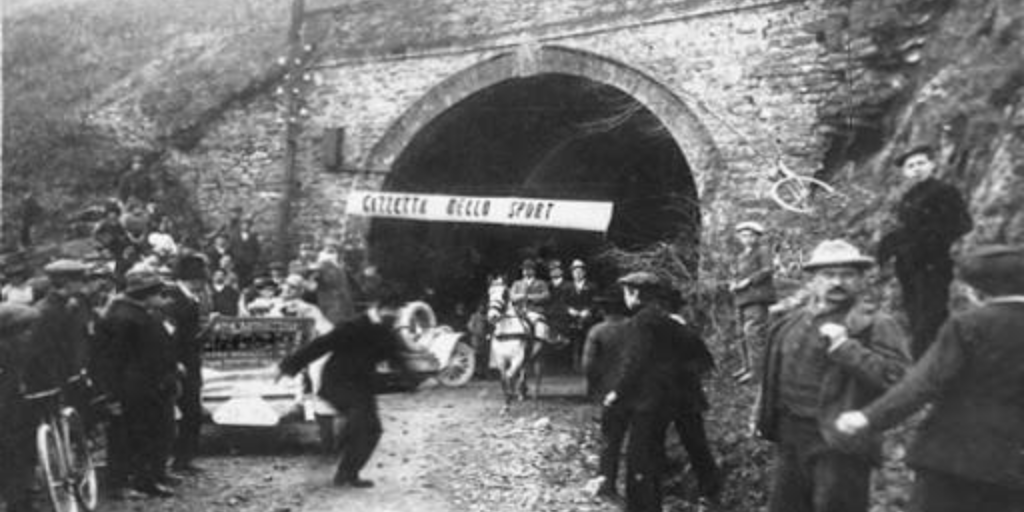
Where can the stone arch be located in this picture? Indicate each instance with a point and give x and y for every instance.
(686, 128)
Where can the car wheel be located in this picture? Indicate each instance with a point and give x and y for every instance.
(460, 368)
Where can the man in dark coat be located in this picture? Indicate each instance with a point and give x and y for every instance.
(63, 327)
(17, 423)
(931, 216)
(969, 453)
(189, 309)
(654, 385)
(753, 291)
(134, 363)
(245, 248)
(355, 346)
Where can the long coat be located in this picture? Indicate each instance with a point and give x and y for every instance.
(861, 369)
(62, 333)
(974, 374)
(662, 364)
(133, 354)
(354, 347)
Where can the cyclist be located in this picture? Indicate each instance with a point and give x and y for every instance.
(17, 423)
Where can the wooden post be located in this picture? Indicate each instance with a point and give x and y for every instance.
(291, 131)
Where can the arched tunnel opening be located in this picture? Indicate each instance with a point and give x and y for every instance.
(549, 136)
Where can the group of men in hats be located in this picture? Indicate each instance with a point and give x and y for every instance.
(141, 349)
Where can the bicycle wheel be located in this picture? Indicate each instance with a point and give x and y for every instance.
(794, 193)
(52, 460)
(82, 470)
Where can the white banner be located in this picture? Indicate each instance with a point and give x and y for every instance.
(508, 211)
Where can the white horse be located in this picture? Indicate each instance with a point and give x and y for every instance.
(518, 340)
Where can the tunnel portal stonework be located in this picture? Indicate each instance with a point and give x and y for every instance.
(738, 83)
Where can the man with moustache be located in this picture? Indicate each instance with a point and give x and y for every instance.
(831, 355)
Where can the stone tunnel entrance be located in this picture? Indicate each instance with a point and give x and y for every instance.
(550, 136)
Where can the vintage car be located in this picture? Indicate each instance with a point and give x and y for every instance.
(241, 355)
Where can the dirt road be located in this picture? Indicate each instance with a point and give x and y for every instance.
(442, 450)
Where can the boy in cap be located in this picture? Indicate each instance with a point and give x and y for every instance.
(931, 216)
(654, 386)
(753, 291)
(969, 454)
(832, 354)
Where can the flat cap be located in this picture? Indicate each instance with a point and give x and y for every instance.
(641, 279)
(994, 269)
(66, 267)
(920, 149)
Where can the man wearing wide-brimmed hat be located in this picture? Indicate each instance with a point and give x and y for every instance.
(931, 216)
(834, 353)
(971, 454)
(134, 363)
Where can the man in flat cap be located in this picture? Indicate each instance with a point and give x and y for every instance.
(653, 386)
(189, 308)
(579, 302)
(930, 217)
(832, 354)
(135, 364)
(64, 325)
(969, 454)
(753, 291)
(17, 422)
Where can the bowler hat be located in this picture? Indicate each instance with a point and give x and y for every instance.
(994, 269)
(750, 225)
(142, 281)
(641, 279)
(15, 318)
(837, 253)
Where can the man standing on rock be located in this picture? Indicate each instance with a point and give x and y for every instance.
(833, 354)
(354, 348)
(931, 216)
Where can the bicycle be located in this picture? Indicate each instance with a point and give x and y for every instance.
(62, 445)
(794, 192)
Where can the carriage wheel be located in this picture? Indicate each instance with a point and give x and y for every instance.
(460, 367)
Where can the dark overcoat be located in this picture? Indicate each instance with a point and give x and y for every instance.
(133, 354)
(355, 347)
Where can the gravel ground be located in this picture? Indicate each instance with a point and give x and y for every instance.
(454, 450)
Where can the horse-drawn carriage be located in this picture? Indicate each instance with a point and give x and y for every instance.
(241, 355)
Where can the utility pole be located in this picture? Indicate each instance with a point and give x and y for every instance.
(293, 79)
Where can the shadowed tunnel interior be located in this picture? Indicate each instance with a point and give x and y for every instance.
(550, 136)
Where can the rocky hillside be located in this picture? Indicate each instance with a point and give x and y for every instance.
(87, 84)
